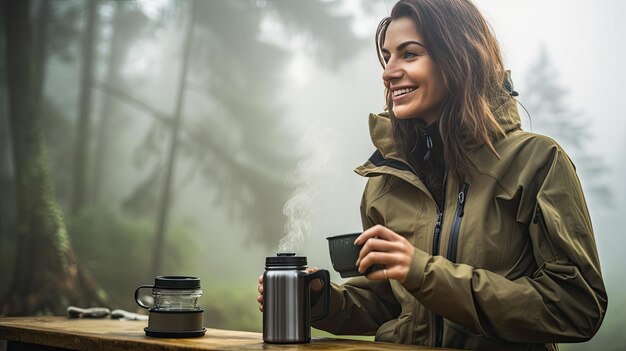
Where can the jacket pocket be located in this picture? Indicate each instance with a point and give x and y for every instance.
(396, 330)
(544, 250)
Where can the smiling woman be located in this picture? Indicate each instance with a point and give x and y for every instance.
(411, 76)
(482, 228)
(461, 70)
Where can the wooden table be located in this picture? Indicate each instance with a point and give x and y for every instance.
(62, 333)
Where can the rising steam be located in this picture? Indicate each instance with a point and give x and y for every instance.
(322, 148)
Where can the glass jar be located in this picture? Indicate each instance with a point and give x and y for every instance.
(173, 293)
(179, 300)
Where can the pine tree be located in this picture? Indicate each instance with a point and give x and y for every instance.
(552, 114)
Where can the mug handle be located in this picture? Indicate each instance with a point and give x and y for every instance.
(137, 300)
(324, 276)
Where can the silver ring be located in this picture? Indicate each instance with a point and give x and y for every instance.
(385, 271)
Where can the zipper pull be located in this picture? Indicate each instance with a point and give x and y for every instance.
(429, 146)
(461, 204)
(437, 233)
(537, 214)
(438, 224)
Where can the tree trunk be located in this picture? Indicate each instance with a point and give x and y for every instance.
(7, 179)
(165, 201)
(46, 277)
(79, 196)
(41, 48)
(107, 105)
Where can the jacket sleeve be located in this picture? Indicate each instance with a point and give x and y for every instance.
(563, 301)
(359, 306)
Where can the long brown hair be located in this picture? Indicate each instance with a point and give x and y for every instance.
(462, 44)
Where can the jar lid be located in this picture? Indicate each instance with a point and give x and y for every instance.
(283, 259)
(176, 282)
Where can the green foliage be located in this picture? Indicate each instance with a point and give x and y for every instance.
(117, 250)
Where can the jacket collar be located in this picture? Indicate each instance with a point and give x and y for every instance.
(505, 112)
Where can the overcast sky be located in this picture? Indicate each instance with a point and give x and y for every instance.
(585, 40)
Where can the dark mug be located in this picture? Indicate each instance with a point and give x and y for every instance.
(343, 255)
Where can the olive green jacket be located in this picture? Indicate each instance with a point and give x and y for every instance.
(509, 263)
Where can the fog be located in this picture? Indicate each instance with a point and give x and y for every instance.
(317, 104)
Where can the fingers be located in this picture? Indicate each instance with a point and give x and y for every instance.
(377, 231)
(316, 285)
(383, 246)
(376, 257)
(259, 299)
(381, 274)
(397, 264)
(375, 244)
(260, 289)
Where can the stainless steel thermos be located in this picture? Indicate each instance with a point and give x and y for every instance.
(286, 299)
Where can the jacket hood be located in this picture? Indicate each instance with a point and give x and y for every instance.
(505, 112)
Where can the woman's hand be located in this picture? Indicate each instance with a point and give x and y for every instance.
(316, 286)
(260, 297)
(384, 246)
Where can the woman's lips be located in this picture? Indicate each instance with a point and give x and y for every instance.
(404, 95)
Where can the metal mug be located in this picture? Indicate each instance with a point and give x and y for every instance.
(286, 299)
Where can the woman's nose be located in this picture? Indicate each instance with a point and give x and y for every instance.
(391, 72)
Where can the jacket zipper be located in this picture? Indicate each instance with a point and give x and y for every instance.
(436, 240)
(456, 225)
(438, 225)
(537, 214)
(452, 248)
(438, 318)
(437, 235)
(537, 218)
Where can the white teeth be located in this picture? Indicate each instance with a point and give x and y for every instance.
(402, 91)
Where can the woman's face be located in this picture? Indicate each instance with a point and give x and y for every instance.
(414, 80)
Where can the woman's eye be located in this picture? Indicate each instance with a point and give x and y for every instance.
(386, 59)
(410, 54)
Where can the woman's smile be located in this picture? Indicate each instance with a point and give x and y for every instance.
(399, 95)
(411, 75)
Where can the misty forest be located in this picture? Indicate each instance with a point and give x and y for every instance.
(143, 138)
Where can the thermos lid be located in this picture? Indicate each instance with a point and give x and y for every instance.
(176, 282)
(283, 259)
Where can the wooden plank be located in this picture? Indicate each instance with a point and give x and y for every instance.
(109, 334)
